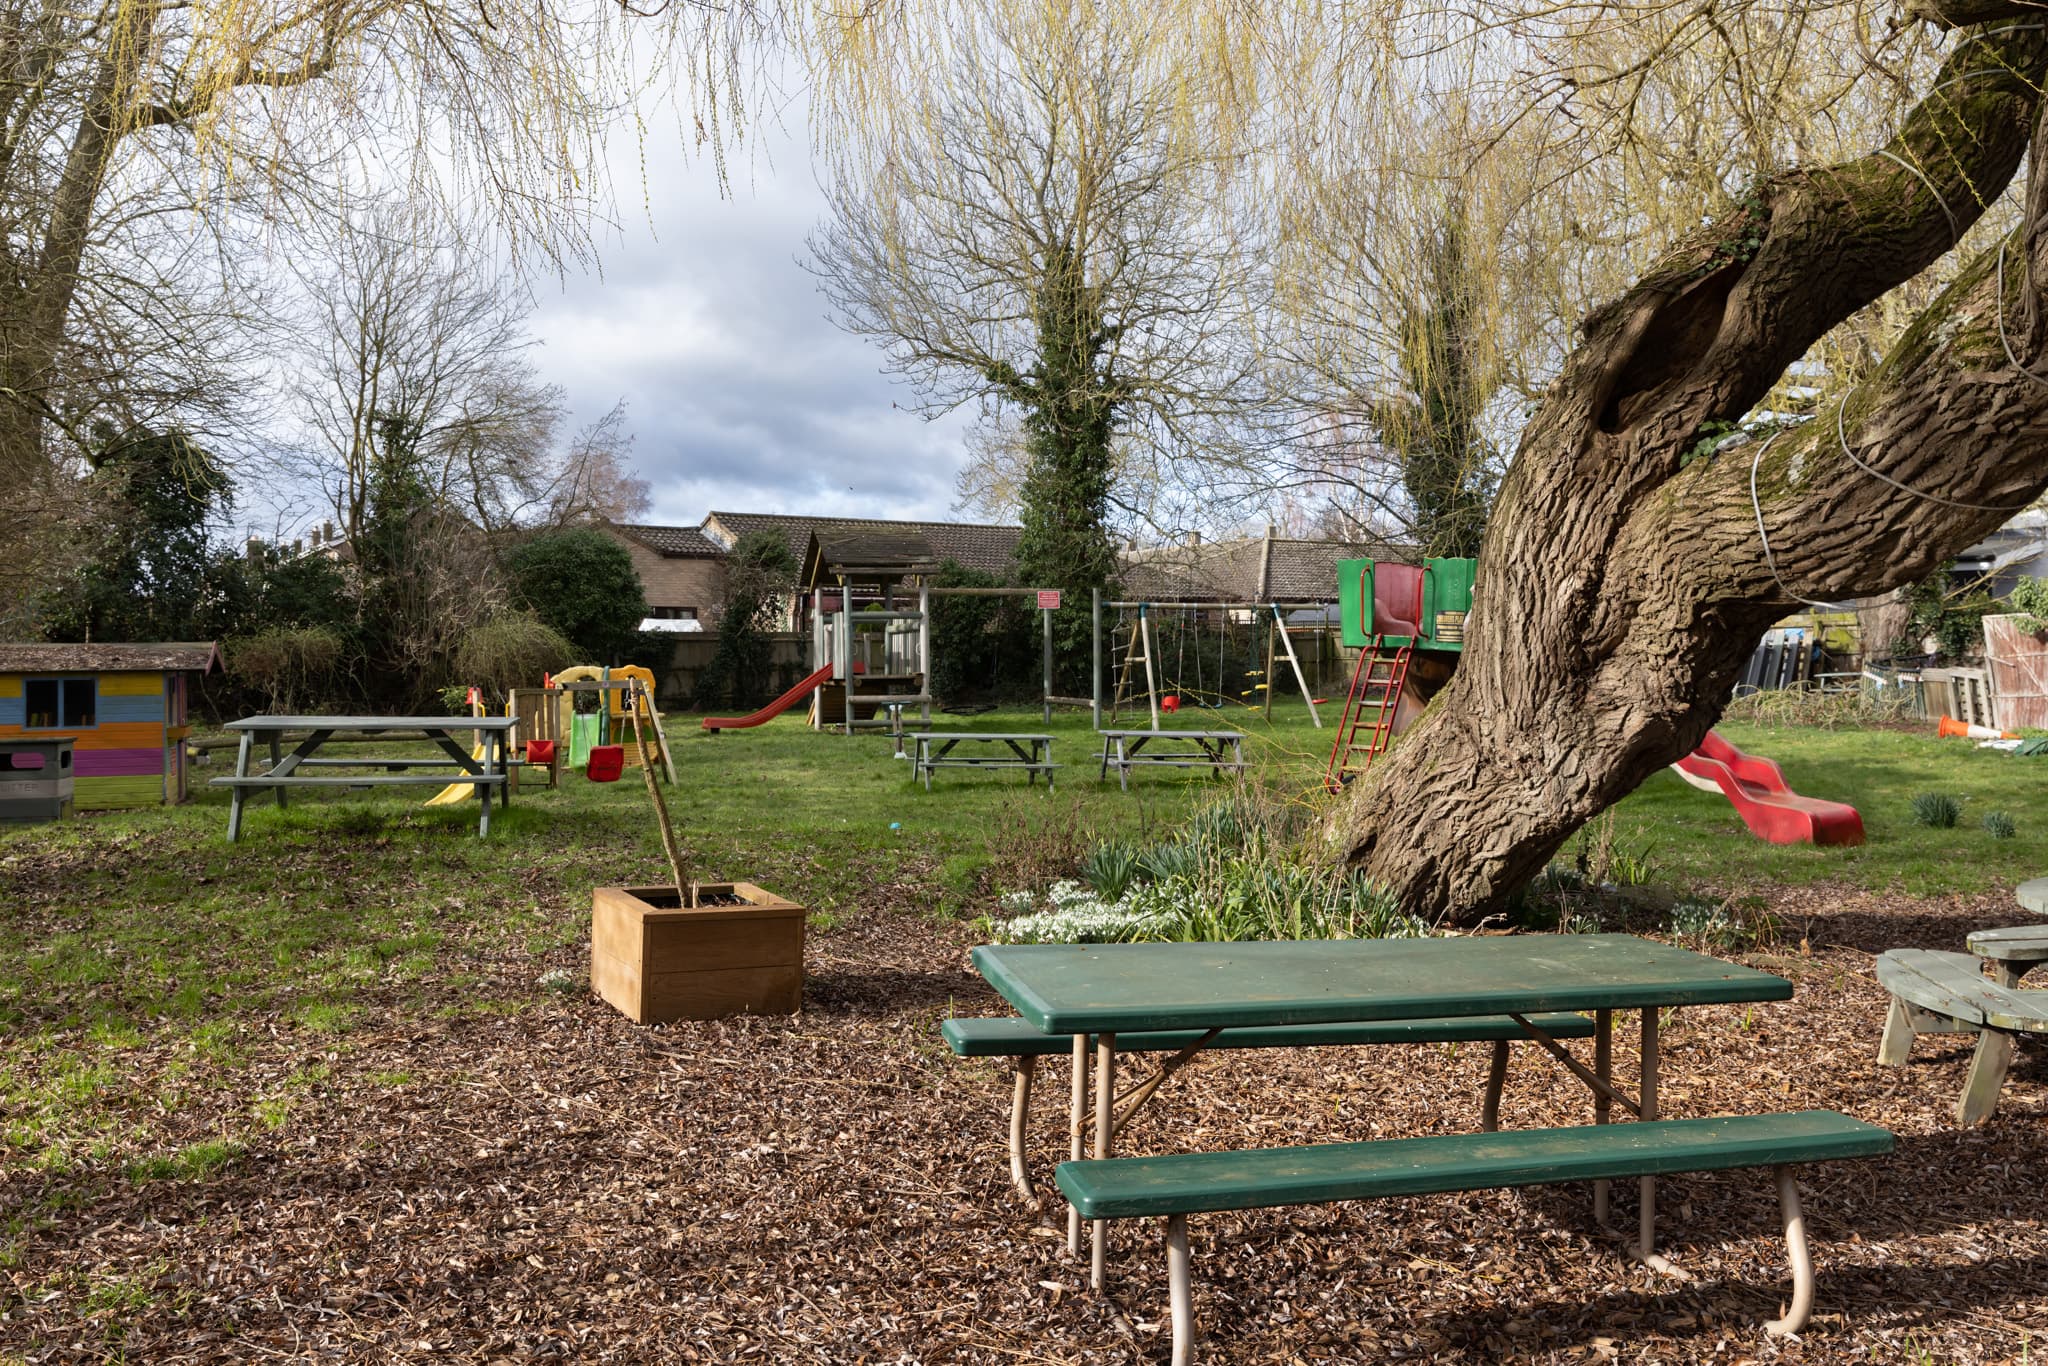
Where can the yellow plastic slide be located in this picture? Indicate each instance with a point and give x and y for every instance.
(456, 792)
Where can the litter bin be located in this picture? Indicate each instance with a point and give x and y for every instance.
(35, 780)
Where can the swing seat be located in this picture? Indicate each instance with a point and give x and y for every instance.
(540, 752)
(607, 762)
(1170, 702)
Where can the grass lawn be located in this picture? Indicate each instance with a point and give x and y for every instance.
(340, 1089)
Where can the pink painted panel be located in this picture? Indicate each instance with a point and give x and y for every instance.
(117, 763)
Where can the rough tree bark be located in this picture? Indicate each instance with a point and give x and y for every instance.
(1620, 589)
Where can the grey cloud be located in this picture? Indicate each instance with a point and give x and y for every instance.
(741, 394)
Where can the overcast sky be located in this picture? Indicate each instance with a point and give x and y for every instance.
(741, 395)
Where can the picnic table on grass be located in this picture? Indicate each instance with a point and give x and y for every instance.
(1220, 751)
(1094, 992)
(484, 767)
(935, 749)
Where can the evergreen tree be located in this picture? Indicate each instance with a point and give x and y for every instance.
(1070, 419)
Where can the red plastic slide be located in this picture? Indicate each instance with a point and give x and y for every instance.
(1770, 809)
(773, 709)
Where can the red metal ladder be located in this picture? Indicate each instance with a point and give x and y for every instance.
(1376, 670)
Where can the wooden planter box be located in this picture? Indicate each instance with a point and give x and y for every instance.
(657, 961)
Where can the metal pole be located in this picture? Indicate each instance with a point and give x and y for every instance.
(924, 658)
(1095, 668)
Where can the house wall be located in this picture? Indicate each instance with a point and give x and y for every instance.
(676, 581)
(121, 759)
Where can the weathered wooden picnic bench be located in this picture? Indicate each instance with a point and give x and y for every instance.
(1947, 993)
(1020, 1042)
(2011, 951)
(1177, 1185)
(1220, 751)
(934, 750)
(486, 772)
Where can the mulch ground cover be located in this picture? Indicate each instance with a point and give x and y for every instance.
(559, 1183)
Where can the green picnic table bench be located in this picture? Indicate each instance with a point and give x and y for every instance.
(1947, 993)
(1179, 1185)
(1021, 1042)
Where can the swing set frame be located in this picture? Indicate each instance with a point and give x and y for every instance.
(1138, 648)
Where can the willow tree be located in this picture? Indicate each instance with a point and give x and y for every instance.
(1624, 579)
(135, 136)
(1843, 156)
(1030, 222)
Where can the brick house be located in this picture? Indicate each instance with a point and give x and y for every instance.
(681, 570)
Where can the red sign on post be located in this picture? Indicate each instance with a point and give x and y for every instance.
(1048, 599)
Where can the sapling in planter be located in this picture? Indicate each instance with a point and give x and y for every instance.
(690, 950)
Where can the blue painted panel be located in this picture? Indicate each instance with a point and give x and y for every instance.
(119, 708)
(13, 710)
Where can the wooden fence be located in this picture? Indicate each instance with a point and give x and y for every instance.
(676, 685)
(2018, 661)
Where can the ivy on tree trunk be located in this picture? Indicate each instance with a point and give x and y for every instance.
(1070, 419)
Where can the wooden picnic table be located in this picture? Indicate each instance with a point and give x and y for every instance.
(1221, 751)
(2011, 951)
(1099, 990)
(485, 771)
(934, 749)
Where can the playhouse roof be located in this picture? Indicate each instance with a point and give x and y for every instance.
(987, 547)
(197, 656)
(884, 553)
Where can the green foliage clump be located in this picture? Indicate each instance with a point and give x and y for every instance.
(583, 585)
(1937, 810)
(1227, 875)
(291, 668)
(2000, 825)
(2029, 598)
(1954, 619)
(512, 649)
(1721, 927)
(758, 573)
(147, 572)
(1111, 869)
(983, 648)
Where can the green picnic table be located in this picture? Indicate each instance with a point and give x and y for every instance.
(1100, 990)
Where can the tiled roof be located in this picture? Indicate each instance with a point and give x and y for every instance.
(974, 545)
(682, 542)
(199, 656)
(1252, 569)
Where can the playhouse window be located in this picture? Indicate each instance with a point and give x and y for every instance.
(60, 703)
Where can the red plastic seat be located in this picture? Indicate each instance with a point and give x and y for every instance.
(540, 751)
(1397, 599)
(607, 762)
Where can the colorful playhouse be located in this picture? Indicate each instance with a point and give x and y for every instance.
(123, 707)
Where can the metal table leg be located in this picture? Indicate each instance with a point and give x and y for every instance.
(1105, 1133)
(1603, 1108)
(1077, 1112)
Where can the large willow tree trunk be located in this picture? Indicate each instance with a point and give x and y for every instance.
(1620, 589)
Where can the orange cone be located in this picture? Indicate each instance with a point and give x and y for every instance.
(1950, 728)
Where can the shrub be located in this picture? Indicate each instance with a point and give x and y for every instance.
(289, 667)
(583, 584)
(1937, 809)
(512, 649)
(2000, 825)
